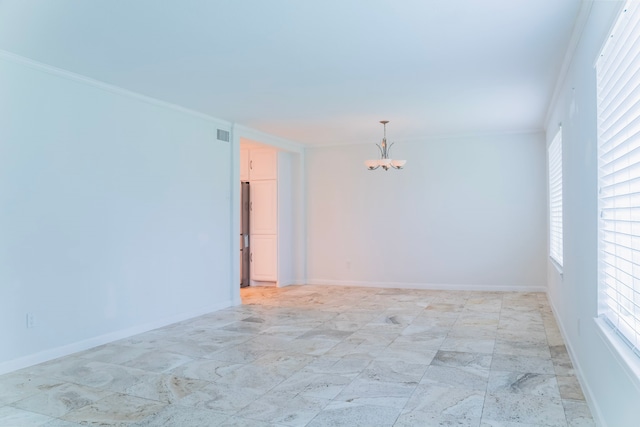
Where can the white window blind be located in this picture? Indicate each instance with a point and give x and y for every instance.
(555, 198)
(618, 77)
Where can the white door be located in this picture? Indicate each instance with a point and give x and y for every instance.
(264, 258)
(264, 207)
(263, 164)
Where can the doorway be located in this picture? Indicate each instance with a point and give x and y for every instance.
(273, 254)
(259, 214)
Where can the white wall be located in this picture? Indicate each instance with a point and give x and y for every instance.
(465, 213)
(612, 390)
(114, 213)
(286, 218)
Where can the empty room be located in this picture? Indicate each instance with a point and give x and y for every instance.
(339, 213)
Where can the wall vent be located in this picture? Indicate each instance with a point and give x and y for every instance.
(223, 135)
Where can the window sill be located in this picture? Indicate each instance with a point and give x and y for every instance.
(622, 352)
(558, 267)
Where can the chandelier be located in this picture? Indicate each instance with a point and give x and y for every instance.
(385, 150)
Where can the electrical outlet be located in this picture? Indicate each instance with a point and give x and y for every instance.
(31, 320)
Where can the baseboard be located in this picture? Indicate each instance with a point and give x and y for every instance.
(430, 286)
(285, 283)
(68, 349)
(596, 412)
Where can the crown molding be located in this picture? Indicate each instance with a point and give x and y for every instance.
(78, 78)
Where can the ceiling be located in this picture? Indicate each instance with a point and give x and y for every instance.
(315, 72)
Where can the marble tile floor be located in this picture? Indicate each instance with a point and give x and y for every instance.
(320, 356)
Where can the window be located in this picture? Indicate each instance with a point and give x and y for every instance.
(555, 198)
(618, 77)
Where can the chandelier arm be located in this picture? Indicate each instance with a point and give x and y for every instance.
(381, 152)
(389, 149)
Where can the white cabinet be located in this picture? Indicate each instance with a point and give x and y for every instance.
(264, 230)
(264, 258)
(263, 164)
(259, 166)
(264, 207)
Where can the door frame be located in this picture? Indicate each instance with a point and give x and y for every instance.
(297, 264)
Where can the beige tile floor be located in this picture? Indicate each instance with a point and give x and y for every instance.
(320, 356)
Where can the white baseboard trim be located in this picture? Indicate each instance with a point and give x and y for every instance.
(596, 412)
(68, 349)
(430, 286)
(288, 283)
